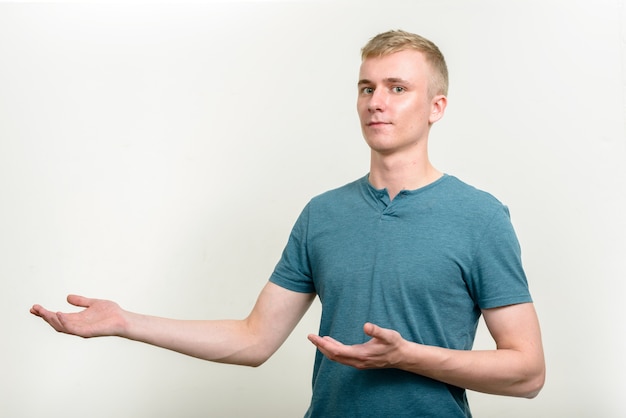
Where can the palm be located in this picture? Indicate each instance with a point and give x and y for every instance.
(99, 318)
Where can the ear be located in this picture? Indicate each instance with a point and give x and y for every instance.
(437, 108)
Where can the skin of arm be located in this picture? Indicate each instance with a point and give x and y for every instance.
(515, 368)
(250, 341)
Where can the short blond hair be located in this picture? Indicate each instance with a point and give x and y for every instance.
(398, 40)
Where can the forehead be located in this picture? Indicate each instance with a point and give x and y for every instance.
(406, 64)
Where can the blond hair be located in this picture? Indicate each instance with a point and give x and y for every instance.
(398, 40)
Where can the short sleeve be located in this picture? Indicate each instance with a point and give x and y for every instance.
(497, 276)
(293, 270)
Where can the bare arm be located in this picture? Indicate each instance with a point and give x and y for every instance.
(250, 341)
(515, 368)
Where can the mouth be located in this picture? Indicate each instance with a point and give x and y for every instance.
(377, 123)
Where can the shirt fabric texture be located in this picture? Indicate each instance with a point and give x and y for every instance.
(423, 264)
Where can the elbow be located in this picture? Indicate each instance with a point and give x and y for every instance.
(242, 360)
(533, 385)
(259, 356)
(252, 358)
(255, 362)
(531, 394)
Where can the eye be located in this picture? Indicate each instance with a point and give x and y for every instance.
(398, 89)
(367, 90)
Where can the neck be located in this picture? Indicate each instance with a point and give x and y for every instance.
(399, 172)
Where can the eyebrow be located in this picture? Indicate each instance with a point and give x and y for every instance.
(388, 80)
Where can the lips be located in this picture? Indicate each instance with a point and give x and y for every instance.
(378, 123)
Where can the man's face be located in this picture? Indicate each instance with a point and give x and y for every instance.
(394, 104)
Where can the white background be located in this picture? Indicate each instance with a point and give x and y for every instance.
(158, 155)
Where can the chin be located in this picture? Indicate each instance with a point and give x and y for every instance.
(380, 144)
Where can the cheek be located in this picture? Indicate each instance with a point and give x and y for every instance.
(413, 112)
(361, 110)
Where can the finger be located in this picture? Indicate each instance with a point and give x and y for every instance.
(316, 339)
(372, 330)
(325, 344)
(61, 318)
(79, 301)
(42, 312)
(52, 319)
(36, 309)
(331, 339)
(379, 333)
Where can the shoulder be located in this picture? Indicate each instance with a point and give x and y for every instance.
(467, 194)
(467, 203)
(466, 191)
(347, 193)
(332, 204)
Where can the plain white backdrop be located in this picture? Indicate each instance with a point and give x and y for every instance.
(158, 155)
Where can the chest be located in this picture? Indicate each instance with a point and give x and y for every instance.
(404, 254)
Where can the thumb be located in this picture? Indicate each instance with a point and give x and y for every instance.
(371, 329)
(80, 301)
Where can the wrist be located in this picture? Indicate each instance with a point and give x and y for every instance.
(408, 355)
(126, 325)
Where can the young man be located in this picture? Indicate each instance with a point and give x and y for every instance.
(404, 261)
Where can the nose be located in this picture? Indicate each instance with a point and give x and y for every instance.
(377, 101)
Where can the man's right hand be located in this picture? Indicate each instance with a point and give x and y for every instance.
(99, 318)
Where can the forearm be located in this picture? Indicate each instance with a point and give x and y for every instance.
(225, 341)
(501, 372)
(250, 341)
(515, 368)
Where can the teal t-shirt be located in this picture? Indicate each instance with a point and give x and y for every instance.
(424, 264)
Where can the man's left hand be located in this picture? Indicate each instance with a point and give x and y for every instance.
(382, 351)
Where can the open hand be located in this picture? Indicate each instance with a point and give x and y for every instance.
(383, 350)
(99, 318)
